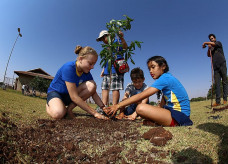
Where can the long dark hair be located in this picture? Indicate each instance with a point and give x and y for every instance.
(161, 61)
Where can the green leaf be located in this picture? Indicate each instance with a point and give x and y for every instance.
(126, 57)
(109, 64)
(138, 43)
(132, 61)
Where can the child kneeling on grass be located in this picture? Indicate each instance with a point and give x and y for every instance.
(136, 86)
(174, 109)
(72, 85)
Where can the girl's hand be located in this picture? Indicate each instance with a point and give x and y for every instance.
(111, 111)
(100, 116)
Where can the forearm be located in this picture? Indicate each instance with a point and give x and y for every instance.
(124, 43)
(128, 101)
(102, 73)
(83, 105)
(73, 92)
(209, 52)
(209, 43)
(139, 97)
(97, 100)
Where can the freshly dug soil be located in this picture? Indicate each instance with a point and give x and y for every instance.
(158, 136)
(219, 109)
(80, 140)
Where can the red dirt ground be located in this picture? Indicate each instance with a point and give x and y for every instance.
(81, 140)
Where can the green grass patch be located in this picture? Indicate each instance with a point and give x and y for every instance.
(206, 139)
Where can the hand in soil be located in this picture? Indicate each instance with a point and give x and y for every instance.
(100, 116)
(111, 111)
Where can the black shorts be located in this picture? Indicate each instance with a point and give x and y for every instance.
(64, 97)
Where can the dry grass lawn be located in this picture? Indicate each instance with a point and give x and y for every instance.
(206, 139)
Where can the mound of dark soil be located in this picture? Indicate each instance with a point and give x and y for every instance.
(81, 140)
(158, 136)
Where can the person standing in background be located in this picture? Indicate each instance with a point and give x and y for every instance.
(215, 49)
(117, 80)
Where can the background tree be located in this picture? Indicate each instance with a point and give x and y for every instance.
(40, 84)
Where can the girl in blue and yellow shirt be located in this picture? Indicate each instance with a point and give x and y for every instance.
(174, 109)
(72, 85)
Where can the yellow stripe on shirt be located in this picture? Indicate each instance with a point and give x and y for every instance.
(174, 100)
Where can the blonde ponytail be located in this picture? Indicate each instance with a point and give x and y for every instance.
(83, 51)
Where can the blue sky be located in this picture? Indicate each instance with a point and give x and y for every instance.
(174, 29)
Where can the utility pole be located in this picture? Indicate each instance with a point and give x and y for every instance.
(19, 34)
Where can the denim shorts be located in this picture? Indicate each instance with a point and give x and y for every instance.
(130, 109)
(64, 97)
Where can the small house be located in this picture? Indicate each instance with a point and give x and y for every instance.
(25, 77)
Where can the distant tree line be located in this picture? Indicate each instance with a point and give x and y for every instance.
(198, 99)
(209, 93)
(41, 85)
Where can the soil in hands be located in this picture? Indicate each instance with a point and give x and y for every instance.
(81, 140)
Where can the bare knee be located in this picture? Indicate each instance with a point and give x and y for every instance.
(58, 115)
(91, 86)
(140, 109)
(55, 113)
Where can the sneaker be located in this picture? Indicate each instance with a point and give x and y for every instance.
(224, 102)
(215, 104)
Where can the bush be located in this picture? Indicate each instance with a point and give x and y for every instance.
(40, 84)
(199, 99)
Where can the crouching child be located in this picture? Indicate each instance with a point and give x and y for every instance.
(136, 86)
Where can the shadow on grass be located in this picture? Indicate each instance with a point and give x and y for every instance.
(191, 156)
(222, 132)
